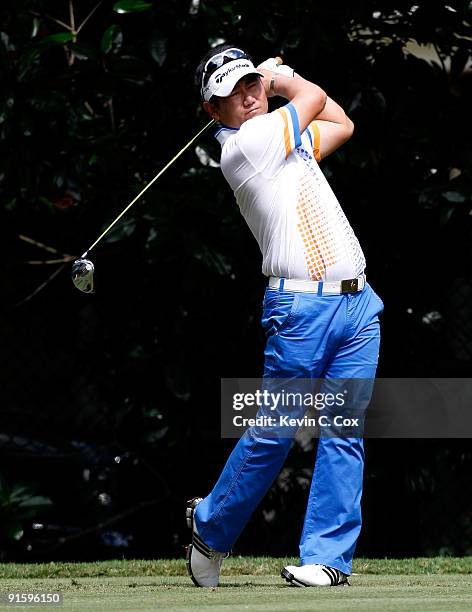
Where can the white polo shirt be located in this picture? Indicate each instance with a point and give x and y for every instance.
(286, 200)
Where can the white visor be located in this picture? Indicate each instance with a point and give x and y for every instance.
(223, 80)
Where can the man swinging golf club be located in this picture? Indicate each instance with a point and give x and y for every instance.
(320, 316)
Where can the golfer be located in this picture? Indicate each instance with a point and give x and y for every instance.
(320, 316)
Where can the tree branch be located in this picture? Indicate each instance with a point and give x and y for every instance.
(72, 18)
(42, 262)
(88, 16)
(99, 526)
(44, 246)
(58, 21)
(41, 286)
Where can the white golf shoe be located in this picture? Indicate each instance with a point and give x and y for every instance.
(314, 574)
(203, 562)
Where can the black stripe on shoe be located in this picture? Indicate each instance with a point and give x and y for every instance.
(331, 573)
(201, 550)
(197, 540)
(334, 575)
(337, 577)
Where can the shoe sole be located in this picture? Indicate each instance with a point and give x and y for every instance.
(189, 512)
(289, 577)
(188, 563)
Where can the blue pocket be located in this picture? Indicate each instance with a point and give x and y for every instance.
(278, 309)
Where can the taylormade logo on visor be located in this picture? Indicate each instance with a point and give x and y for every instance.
(231, 71)
(220, 77)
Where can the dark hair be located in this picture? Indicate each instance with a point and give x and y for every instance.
(208, 55)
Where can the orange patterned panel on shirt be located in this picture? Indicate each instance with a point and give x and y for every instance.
(315, 231)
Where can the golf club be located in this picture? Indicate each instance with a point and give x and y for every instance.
(83, 268)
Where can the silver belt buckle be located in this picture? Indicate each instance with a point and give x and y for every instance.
(350, 286)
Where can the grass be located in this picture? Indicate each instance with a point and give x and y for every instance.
(440, 583)
(234, 566)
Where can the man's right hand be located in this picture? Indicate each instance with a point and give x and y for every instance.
(267, 78)
(270, 68)
(272, 65)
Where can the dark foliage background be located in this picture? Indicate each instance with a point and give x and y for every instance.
(110, 403)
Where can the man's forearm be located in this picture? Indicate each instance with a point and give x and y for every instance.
(334, 126)
(291, 88)
(333, 112)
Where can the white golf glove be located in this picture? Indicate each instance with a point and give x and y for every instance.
(271, 64)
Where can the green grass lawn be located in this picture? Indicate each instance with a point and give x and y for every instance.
(247, 584)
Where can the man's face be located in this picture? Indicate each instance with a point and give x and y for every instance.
(247, 100)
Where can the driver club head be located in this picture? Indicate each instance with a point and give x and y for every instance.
(82, 274)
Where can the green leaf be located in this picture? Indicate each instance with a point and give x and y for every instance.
(137, 353)
(83, 53)
(14, 530)
(5, 491)
(355, 102)
(47, 203)
(35, 501)
(270, 31)
(28, 64)
(454, 196)
(152, 412)
(209, 10)
(213, 260)
(131, 6)
(61, 38)
(446, 215)
(131, 69)
(20, 493)
(112, 39)
(36, 24)
(121, 232)
(155, 436)
(378, 99)
(293, 39)
(4, 39)
(157, 47)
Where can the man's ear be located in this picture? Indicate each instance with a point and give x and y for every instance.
(212, 110)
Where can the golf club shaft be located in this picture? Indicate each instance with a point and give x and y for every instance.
(160, 173)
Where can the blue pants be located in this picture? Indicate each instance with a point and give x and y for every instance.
(308, 336)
